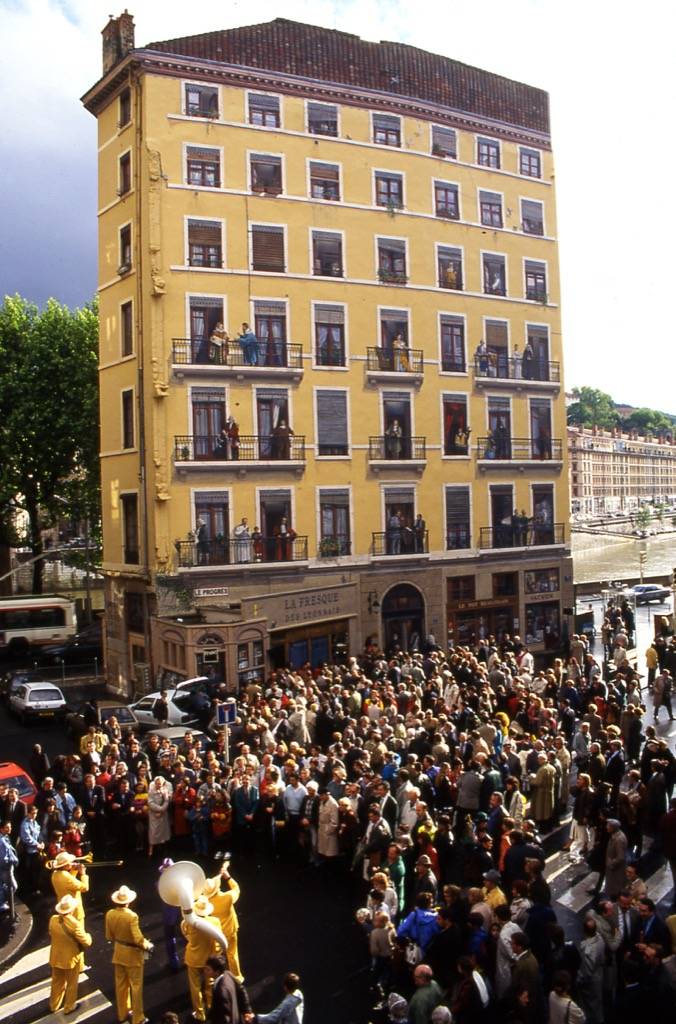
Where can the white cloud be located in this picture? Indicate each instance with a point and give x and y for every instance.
(607, 65)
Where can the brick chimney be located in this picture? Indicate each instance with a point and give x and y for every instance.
(118, 39)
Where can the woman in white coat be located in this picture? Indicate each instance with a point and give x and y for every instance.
(159, 803)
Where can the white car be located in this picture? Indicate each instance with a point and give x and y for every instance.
(179, 702)
(37, 700)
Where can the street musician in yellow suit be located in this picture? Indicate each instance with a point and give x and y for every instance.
(129, 946)
(70, 879)
(224, 909)
(66, 956)
(199, 948)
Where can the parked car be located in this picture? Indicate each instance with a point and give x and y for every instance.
(17, 778)
(181, 704)
(175, 734)
(85, 646)
(11, 681)
(644, 593)
(37, 700)
(77, 719)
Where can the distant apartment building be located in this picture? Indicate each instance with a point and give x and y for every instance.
(384, 220)
(615, 472)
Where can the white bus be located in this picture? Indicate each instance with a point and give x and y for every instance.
(25, 621)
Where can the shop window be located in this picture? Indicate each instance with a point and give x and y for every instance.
(543, 624)
(505, 584)
(541, 581)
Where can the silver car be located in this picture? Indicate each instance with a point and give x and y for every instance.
(37, 700)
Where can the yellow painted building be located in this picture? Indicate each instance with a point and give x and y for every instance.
(391, 425)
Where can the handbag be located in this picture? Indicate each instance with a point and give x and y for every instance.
(413, 954)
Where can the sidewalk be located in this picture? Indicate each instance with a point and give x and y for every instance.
(14, 937)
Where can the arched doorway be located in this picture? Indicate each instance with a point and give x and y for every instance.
(403, 615)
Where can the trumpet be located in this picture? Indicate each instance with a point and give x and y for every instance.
(88, 860)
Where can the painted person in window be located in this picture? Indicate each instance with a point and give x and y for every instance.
(218, 344)
(249, 343)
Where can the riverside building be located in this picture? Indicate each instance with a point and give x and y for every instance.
(611, 471)
(384, 221)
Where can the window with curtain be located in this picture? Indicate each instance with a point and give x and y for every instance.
(456, 433)
(334, 523)
(453, 344)
(329, 335)
(270, 329)
(272, 407)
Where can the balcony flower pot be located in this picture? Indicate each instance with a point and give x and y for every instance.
(329, 547)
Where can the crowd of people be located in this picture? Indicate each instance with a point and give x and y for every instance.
(429, 779)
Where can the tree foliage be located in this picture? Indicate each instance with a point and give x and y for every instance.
(49, 427)
(592, 408)
(648, 421)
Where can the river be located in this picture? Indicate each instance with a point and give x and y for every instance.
(602, 558)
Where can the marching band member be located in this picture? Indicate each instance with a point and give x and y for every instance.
(70, 879)
(224, 909)
(200, 947)
(66, 956)
(122, 929)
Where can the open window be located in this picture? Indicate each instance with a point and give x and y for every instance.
(327, 254)
(264, 110)
(449, 266)
(266, 173)
(322, 119)
(324, 181)
(201, 100)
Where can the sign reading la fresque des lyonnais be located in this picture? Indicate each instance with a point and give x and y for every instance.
(308, 606)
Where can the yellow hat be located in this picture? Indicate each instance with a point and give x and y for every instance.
(202, 907)
(62, 860)
(123, 896)
(66, 904)
(212, 886)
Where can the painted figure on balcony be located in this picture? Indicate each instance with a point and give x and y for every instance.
(394, 440)
(517, 360)
(284, 538)
(281, 441)
(202, 542)
(218, 344)
(249, 343)
(401, 360)
(242, 538)
(419, 530)
(528, 368)
(232, 435)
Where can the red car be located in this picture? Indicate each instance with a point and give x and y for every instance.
(16, 778)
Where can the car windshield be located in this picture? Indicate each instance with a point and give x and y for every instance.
(20, 782)
(44, 694)
(123, 714)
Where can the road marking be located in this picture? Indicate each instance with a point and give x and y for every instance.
(660, 884)
(579, 896)
(38, 958)
(28, 997)
(86, 1008)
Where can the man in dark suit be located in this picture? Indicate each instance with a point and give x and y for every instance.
(92, 799)
(627, 920)
(652, 927)
(389, 808)
(14, 812)
(376, 839)
(230, 1002)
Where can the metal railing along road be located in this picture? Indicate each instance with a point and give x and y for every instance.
(199, 351)
(521, 533)
(248, 448)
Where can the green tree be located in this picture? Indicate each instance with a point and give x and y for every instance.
(647, 421)
(592, 408)
(49, 428)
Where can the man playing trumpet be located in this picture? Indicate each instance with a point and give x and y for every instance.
(70, 878)
(66, 956)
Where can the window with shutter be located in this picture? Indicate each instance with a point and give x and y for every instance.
(536, 281)
(532, 217)
(324, 181)
(203, 167)
(322, 119)
(458, 524)
(327, 254)
(201, 100)
(264, 110)
(387, 129)
(444, 142)
(266, 173)
(490, 207)
(332, 438)
(204, 243)
(267, 245)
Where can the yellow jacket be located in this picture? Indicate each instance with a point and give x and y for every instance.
(200, 946)
(224, 908)
(122, 928)
(67, 937)
(67, 884)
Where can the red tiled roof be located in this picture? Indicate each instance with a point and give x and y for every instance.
(330, 56)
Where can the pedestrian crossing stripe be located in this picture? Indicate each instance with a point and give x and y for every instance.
(87, 1007)
(29, 962)
(29, 996)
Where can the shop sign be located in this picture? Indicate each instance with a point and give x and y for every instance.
(309, 606)
(211, 592)
(489, 602)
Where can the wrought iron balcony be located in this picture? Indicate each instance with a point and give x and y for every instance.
(496, 366)
(334, 547)
(521, 534)
(192, 554)
(248, 449)
(394, 360)
(519, 449)
(400, 541)
(202, 351)
(389, 448)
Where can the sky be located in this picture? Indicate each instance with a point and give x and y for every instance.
(608, 66)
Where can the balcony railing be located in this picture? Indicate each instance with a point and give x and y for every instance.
(397, 449)
(334, 547)
(522, 533)
(202, 351)
(498, 366)
(394, 360)
(401, 540)
(241, 552)
(249, 448)
(519, 449)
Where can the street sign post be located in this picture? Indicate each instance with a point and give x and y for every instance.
(226, 713)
